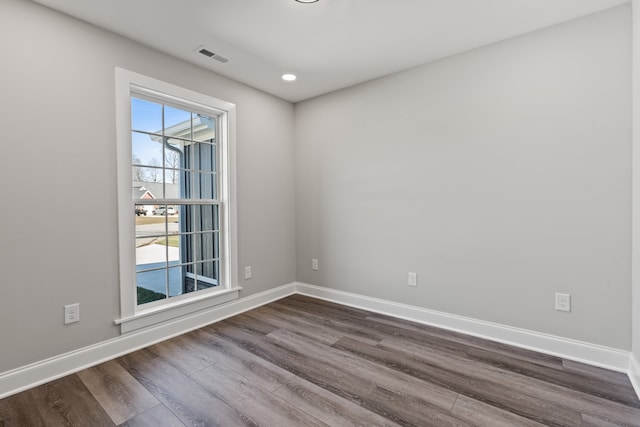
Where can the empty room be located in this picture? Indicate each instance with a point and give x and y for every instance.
(320, 213)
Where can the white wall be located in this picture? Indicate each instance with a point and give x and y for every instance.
(500, 176)
(634, 371)
(57, 168)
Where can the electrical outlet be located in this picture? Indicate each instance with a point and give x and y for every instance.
(247, 272)
(71, 313)
(314, 264)
(413, 279)
(563, 302)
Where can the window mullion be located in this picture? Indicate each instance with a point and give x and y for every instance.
(194, 237)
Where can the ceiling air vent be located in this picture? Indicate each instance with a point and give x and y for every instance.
(206, 52)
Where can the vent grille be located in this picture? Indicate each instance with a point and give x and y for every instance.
(209, 54)
(206, 52)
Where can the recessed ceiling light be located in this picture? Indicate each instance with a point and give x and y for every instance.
(306, 1)
(289, 77)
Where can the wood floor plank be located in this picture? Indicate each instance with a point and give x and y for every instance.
(328, 407)
(415, 393)
(458, 340)
(313, 331)
(410, 410)
(315, 305)
(482, 414)
(246, 323)
(604, 376)
(252, 367)
(345, 327)
(62, 402)
(340, 380)
(589, 384)
(552, 369)
(556, 399)
(591, 421)
(460, 379)
(158, 416)
(507, 358)
(185, 398)
(119, 394)
(182, 353)
(20, 410)
(252, 401)
(336, 380)
(385, 326)
(547, 368)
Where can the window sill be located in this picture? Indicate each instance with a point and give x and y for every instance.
(144, 318)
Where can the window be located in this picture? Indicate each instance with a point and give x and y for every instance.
(175, 201)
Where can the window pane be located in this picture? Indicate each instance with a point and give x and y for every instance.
(204, 157)
(151, 253)
(189, 278)
(172, 246)
(203, 128)
(146, 115)
(149, 226)
(144, 175)
(177, 122)
(144, 194)
(197, 218)
(151, 286)
(205, 218)
(176, 276)
(165, 210)
(173, 220)
(206, 245)
(185, 184)
(146, 150)
(207, 274)
(155, 175)
(175, 185)
(174, 153)
(205, 186)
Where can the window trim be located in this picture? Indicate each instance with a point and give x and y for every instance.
(133, 317)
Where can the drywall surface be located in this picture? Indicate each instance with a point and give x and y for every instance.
(635, 366)
(500, 176)
(58, 224)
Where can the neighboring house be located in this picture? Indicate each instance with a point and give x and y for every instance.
(154, 190)
(142, 193)
(148, 191)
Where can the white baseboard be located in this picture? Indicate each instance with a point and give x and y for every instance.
(29, 376)
(592, 354)
(634, 373)
(41, 372)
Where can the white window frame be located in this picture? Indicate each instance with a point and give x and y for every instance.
(134, 317)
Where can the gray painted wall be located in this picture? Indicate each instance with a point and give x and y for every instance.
(636, 195)
(500, 176)
(58, 224)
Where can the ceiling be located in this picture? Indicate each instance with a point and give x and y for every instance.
(330, 44)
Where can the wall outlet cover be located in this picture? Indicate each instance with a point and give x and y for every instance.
(563, 302)
(71, 313)
(412, 279)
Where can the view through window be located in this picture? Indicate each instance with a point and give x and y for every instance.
(176, 198)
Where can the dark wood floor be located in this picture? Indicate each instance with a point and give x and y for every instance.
(306, 362)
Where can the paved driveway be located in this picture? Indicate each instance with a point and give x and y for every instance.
(155, 256)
